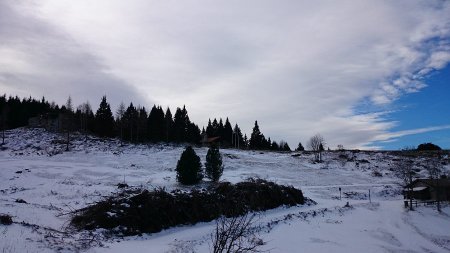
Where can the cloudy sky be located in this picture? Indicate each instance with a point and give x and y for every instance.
(364, 74)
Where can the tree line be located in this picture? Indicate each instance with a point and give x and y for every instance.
(131, 123)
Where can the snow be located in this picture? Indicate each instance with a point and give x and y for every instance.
(34, 167)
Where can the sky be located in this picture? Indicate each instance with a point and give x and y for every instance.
(363, 74)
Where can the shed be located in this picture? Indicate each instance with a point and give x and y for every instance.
(428, 189)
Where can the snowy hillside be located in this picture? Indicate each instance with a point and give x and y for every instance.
(41, 184)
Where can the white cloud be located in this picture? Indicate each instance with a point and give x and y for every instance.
(298, 67)
(386, 137)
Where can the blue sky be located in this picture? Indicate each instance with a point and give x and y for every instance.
(363, 74)
(427, 108)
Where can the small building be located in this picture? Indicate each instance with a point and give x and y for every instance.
(428, 189)
(206, 141)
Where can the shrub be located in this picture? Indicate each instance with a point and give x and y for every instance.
(189, 168)
(139, 211)
(428, 147)
(5, 219)
(213, 164)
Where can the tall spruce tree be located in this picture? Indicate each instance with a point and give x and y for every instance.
(104, 120)
(141, 125)
(257, 139)
(168, 125)
(130, 118)
(227, 134)
(156, 123)
(180, 125)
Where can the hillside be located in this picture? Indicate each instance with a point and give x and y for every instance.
(52, 182)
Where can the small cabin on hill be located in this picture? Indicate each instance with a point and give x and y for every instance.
(428, 189)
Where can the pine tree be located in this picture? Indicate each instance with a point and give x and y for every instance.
(300, 147)
(130, 118)
(168, 125)
(141, 125)
(181, 123)
(156, 122)
(227, 133)
(189, 168)
(256, 138)
(104, 120)
(213, 164)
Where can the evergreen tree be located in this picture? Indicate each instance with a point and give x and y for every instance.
(130, 118)
(119, 119)
(238, 140)
(193, 134)
(227, 134)
(275, 146)
(189, 169)
(141, 125)
(215, 127)
(284, 146)
(213, 164)
(257, 138)
(180, 125)
(300, 147)
(168, 125)
(220, 130)
(104, 120)
(156, 122)
(209, 129)
(69, 106)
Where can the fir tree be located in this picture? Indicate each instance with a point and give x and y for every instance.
(189, 169)
(213, 164)
(130, 118)
(256, 138)
(300, 147)
(168, 125)
(156, 122)
(104, 120)
(227, 134)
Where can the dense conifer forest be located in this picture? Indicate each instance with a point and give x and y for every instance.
(130, 123)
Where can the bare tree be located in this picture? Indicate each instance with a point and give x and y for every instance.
(434, 168)
(4, 116)
(86, 110)
(316, 144)
(235, 234)
(66, 119)
(119, 118)
(340, 147)
(404, 169)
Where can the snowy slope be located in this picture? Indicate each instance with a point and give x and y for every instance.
(35, 168)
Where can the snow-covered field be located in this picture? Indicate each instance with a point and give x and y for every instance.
(53, 183)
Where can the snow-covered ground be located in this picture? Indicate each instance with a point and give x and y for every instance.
(53, 183)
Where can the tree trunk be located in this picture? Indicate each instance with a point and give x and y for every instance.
(68, 141)
(438, 199)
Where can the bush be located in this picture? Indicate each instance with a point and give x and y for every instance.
(213, 164)
(5, 219)
(135, 211)
(189, 168)
(428, 147)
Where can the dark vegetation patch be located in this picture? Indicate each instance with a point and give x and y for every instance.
(139, 211)
(5, 219)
